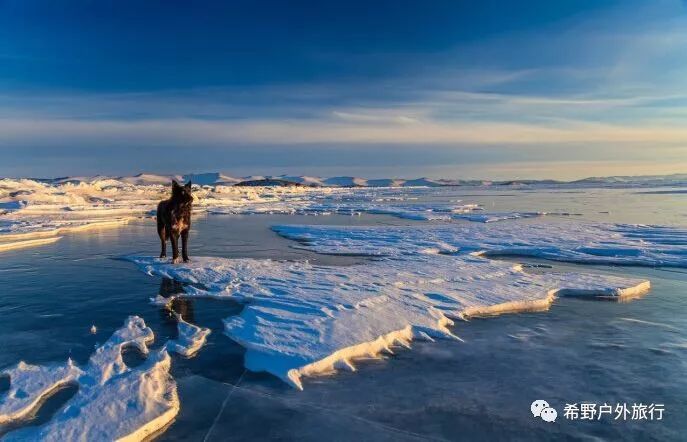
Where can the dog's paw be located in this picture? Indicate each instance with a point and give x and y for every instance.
(187, 260)
(176, 260)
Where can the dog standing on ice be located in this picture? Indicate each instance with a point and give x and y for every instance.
(174, 220)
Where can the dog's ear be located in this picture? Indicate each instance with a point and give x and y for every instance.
(175, 184)
(188, 185)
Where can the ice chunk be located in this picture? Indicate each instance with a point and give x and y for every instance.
(113, 401)
(191, 338)
(107, 360)
(129, 407)
(30, 385)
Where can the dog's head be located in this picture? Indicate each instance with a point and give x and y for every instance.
(182, 193)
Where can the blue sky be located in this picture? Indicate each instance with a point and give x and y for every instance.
(458, 89)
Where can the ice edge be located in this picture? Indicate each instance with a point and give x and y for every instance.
(345, 357)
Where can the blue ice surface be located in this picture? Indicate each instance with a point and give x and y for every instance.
(578, 351)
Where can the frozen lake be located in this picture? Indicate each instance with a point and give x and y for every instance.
(578, 351)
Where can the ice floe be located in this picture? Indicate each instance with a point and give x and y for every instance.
(579, 242)
(30, 384)
(113, 401)
(191, 338)
(302, 319)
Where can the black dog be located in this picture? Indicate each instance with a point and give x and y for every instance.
(174, 220)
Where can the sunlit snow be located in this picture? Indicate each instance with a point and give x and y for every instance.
(303, 319)
(113, 401)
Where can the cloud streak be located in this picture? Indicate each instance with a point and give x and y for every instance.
(608, 84)
(181, 132)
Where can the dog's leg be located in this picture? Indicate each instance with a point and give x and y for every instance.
(175, 247)
(184, 244)
(163, 241)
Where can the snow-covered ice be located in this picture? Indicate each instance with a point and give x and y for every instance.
(570, 241)
(113, 401)
(42, 209)
(490, 217)
(30, 384)
(107, 361)
(302, 319)
(31, 209)
(34, 213)
(191, 338)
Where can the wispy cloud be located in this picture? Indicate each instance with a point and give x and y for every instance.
(185, 132)
(617, 82)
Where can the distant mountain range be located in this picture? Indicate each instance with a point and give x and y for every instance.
(215, 178)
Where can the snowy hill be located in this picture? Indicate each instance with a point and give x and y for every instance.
(210, 179)
(219, 179)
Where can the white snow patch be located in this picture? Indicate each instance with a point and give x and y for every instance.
(580, 242)
(113, 402)
(31, 384)
(107, 360)
(490, 217)
(191, 338)
(142, 179)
